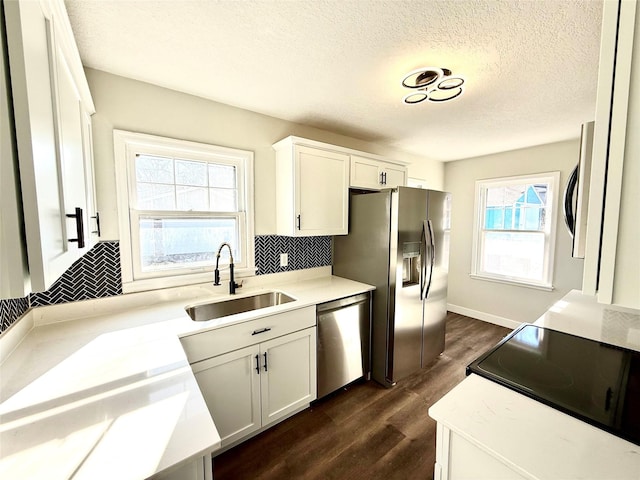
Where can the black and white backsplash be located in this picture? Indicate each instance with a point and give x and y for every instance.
(97, 273)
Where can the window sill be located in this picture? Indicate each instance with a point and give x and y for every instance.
(517, 283)
(183, 280)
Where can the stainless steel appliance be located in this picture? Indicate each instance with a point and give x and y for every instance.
(576, 193)
(590, 380)
(399, 241)
(344, 327)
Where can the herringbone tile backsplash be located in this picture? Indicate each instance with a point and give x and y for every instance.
(303, 252)
(97, 273)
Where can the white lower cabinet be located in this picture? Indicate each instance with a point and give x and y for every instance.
(249, 388)
(459, 459)
(230, 386)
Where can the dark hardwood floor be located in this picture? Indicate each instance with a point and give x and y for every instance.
(364, 431)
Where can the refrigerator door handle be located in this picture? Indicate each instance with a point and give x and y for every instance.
(428, 227)
(423, 263)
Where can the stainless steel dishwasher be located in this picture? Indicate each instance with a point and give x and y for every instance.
(344, 342)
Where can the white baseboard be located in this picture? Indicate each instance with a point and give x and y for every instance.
(485, 317)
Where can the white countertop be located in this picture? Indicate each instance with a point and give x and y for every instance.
(534, 439)
(103, 389)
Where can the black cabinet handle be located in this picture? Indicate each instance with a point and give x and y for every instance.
(381, 178)
(298, 220)
(258, 364)
(79, 227)
(262, 330)
(384, 177)
(265, 361)
(97, 217)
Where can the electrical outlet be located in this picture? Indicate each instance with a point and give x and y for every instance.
(284, 259)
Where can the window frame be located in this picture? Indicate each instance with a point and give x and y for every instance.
(127, 145)
(552, 207)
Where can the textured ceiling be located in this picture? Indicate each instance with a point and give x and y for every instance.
(531, 66)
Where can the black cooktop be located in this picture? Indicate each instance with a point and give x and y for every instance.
(590, 380)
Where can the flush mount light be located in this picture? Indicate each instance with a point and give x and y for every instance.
(433, 84)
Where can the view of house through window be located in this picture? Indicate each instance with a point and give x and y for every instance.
(183, 200)
(514, 234)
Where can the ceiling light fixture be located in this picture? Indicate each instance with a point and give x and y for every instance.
(433, 84)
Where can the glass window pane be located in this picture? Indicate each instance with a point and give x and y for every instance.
(514, 254)
(223, 200)
(514, 194)
(169, 243)
(154, 169)
(495, 197)
(155, 197)
(533, 218)
(494, 218)
(222, 176)
(191, 173)
(192, 198)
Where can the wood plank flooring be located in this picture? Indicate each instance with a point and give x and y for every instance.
(364, 431)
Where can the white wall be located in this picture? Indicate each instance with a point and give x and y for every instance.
(127, 104)
(493, 301)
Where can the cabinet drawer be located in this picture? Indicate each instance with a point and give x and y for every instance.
(226, 339)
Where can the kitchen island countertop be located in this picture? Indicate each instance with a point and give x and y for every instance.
(531, 438)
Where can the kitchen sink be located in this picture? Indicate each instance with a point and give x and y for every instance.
(224, 308)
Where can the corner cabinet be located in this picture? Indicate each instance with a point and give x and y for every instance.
(52, 106)
(372, 174)
(269, 378)
(312, 188)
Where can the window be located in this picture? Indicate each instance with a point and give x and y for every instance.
(177, 202)
(514, 232)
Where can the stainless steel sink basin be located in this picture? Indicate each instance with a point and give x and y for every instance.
(210, 311)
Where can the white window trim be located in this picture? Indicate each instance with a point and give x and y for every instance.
(126, 145)
(550, 235)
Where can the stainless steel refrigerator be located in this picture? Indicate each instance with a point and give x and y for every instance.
(399, 241)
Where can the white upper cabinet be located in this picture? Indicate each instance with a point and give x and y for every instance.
(371, 174)
(612, 263)
(51, 107)
(312, 188)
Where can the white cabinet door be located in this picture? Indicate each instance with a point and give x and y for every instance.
(28, 33)
(69, 122)
(459, 459)
(312, 188)
(230, 385)
(321, 199)
(611, 265)
(365, 173)
(50, 100)
(372, 174)
(289, 374)
(395, 176)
